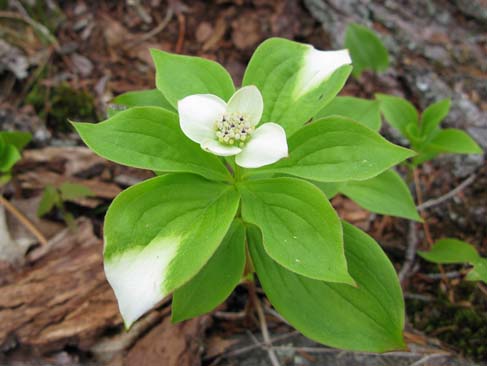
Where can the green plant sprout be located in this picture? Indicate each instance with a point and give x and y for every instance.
(447, 251)
(55, 197)
(11, 146)
(366, 49)
(424, 134)
(243, 187)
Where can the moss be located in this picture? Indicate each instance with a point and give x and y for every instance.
(464, 328)
(60, 104)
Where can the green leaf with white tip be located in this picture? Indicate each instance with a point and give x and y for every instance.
(216, 280)
(160, 233)
(398, 112)
(150, 138)
(386, 194)
(336, 149)
(367, 50)
(296, 80)
(302, 231)
(452, 140)
(17, 138)
(368, 317)
(361, 110)
(450, 251)
(178, 76)
(433, 115)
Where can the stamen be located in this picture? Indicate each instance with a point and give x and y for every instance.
(233, 129)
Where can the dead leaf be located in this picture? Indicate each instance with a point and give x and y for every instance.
(170, 344)
(216, 345)
(246, 31)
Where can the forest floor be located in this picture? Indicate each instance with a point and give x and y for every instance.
(67, 60)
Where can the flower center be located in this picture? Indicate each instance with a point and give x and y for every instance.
(233, 129)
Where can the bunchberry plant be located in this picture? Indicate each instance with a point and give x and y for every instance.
(241, 176)
(429, 140)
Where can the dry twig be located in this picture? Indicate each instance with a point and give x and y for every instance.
(23, 220)
(263, 325)
(436, 201)
(34, 24)
(246, 349)
(160, 27)
(413, 241)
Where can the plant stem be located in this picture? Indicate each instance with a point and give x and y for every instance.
(263, 324)
(427, 233)
(23, 220)
(419, 196)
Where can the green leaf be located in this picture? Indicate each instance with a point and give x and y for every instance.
(295, 79)
(16, 138)
(178, 76)
(72, 191)
(336, 149)
(433, 115)
(479, 271)
(143, 98)
(330, 189)
(386, 194)
(361, 110)
(139, 98)
(424, 155)
(160, 233)
(301, 229)
(367, 50)
(150, 138)
(369, 317)
(8, 158)
(50, 198)
(216, 281)
(450, 251)
(398, 112)
(452, 140)
(4, 179)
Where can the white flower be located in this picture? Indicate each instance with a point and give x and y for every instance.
(231, 129)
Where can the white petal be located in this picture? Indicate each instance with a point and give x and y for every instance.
(267, 145)
(317, 67)
(197, 115)
(247, 100)
(138, 275)
(216, 148)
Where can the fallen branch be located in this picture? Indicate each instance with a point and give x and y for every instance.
(436, 201)
(23, 220)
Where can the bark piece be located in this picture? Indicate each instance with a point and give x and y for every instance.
(63, 298)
